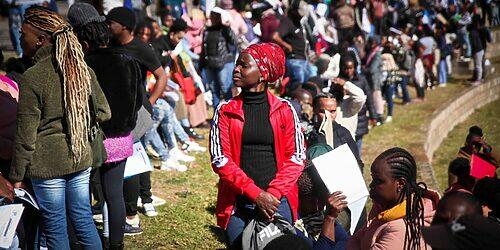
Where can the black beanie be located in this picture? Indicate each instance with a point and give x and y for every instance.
(122, 16)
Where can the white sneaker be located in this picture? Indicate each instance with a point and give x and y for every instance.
(151, 152)
(135, 222)
(149, 210)
(172, 165)
(195, 147)
(157, 201)
(177, 154)
(388, 119)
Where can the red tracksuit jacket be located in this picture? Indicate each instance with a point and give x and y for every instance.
(225, 147)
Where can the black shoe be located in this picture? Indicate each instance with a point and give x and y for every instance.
(131, 230)
(116, 246)
(191, 133)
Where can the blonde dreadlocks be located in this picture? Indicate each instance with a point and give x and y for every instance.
(73, 70)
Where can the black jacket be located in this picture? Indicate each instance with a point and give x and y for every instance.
(341, 136)
(120, 78)
(368, 107)
(216, 47)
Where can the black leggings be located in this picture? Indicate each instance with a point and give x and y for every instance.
(133, 187)
(112, 188)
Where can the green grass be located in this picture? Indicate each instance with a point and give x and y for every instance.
(187, 221)
(487, 118)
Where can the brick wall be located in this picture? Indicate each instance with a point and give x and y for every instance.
(456, 111)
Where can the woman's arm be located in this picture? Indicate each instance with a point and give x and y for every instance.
(294, 156)
(28, 120)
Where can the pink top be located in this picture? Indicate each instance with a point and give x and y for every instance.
(119, 148)
(388, 235)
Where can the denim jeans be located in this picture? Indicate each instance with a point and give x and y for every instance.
(443, 71)
(153, 138)
(16, 16)
(478, 65)
(164, 116)
(404, 88)
(219, 81)
(388, 93)
(463, 37)
(300, 71)
(67, 195)
(242, 216)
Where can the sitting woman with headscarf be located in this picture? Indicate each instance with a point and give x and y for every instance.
(256, 145)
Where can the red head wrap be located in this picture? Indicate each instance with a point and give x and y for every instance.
(270, 59)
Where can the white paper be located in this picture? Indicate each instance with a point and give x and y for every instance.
(8, 223)
(138, 163)
(26, 196)
(339, 170)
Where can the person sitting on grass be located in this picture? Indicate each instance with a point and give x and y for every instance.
(454, 205)
(401, 206)
(487, 191)
(321, 228)
(460, 168)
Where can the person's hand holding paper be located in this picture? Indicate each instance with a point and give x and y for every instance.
(339, 171)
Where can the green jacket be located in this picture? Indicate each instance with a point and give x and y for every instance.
(41, 143)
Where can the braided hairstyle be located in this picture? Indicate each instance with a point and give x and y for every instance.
(403, 165)
(96, 34)
(76, 78)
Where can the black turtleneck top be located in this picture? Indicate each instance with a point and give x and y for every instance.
(257, 157)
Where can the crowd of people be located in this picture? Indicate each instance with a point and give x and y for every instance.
(287, 82)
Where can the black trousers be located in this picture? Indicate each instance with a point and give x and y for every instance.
(112, 187)
(133, 187)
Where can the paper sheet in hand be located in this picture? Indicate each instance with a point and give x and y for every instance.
(8, 223)
(138, 163)
(26, 197)
(339, 171)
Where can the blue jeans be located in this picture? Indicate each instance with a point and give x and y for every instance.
(153, 138)
(300, 71)
(16, 17)
(388, 93)
(463, 37)
(243, 215)
(164, 116)
(404, 88)
(443, 71)
(67, 195)
(219, 81)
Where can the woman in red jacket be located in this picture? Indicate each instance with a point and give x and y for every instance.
(256, 145)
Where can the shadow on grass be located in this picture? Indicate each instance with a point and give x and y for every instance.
(211, 209)
(218, 233)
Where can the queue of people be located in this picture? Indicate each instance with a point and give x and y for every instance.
(283, 77)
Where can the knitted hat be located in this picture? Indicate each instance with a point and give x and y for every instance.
(81, 14)
(122, 16)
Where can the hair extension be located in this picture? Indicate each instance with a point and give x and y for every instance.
(75, 75)
(403, 165)
(96, 34)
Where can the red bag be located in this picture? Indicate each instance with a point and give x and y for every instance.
(186, 85)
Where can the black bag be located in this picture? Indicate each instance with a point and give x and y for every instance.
(257, 234)
(96, 138)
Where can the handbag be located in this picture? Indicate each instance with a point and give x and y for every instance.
(257, 234)
(96, 138)
(186, 84)
(143, 124)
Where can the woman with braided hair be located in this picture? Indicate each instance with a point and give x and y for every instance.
(52, 147)
(401, 206)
